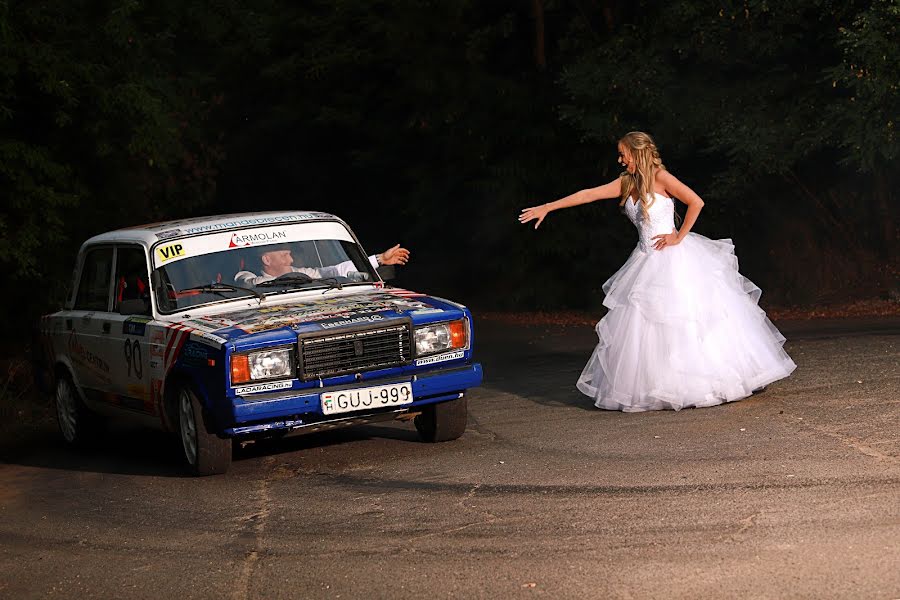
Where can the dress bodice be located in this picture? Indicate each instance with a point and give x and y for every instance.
(660, 219)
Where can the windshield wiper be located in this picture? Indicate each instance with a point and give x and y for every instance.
(286, 279)
(219, 287)
(332, 283)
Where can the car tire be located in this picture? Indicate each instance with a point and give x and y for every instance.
(444, 421)
(205, 453)
(77, 424)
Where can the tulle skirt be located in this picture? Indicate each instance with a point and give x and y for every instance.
(683, 330)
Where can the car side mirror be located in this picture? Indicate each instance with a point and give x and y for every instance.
(387, 272)
(134, 306)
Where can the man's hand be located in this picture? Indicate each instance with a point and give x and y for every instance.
(394, 256)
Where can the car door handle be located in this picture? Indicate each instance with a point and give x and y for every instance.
(106, 327)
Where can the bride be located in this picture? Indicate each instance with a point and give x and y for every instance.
(683, 327)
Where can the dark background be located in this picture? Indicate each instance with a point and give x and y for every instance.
(432, 123)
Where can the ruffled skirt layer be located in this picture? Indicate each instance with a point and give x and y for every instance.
(683, 330)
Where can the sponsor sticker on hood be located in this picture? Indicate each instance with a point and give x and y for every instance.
(330, 313)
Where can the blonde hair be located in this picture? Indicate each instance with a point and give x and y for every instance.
(646, 164)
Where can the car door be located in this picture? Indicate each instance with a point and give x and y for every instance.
(129, 332)
(88, 327)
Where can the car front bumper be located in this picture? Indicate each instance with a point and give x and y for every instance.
(301, 409)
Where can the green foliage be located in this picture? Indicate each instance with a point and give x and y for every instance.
(433, 123)
(104, 124)
(866, 115)
(757, 105)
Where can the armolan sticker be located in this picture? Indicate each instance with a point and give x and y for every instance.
(440, 358)
(256, 237)
(262, 387)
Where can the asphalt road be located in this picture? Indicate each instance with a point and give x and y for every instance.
(793, 493)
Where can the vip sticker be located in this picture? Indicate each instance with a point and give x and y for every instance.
(169, 252)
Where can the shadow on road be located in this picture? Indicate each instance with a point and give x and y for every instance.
(132, 450)
(525, 362)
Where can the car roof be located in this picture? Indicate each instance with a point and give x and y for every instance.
(150, 233)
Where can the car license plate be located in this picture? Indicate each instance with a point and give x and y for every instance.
(366, 398)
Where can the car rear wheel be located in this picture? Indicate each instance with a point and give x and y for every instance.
(444, 421)
(205, 452)
(77, 423)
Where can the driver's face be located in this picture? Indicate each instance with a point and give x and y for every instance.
(278, 262)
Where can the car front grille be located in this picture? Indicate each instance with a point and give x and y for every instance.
(355, 351)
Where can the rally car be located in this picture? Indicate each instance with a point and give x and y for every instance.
(177, 323)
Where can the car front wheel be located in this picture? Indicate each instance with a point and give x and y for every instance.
(205, 452)
(444, 421)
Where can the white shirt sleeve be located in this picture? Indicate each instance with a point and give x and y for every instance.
(250, 278)
(341, 269)
(338, 270)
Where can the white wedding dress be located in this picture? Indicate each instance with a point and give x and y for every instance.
(683, 328)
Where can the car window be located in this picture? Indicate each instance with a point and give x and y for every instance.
(131, 282)
(334, 260)
(94, 285)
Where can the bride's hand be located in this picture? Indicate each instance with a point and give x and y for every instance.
(535, 212)
(666, 239)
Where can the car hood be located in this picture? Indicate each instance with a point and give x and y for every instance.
(283, 322)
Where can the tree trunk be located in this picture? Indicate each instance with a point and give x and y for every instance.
(540, 56)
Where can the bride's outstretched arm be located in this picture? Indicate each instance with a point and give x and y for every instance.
(608, 190)
(677, 189)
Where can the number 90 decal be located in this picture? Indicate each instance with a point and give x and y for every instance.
(133, 358)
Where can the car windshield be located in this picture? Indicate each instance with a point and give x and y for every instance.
(253, 263)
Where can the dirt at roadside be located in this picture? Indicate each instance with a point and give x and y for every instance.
(858, 308)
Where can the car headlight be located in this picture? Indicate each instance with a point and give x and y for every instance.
(439, 337)
(264, 364)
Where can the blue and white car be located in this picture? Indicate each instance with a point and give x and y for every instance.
(158, 327)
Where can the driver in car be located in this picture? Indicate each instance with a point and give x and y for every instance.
(277, 261)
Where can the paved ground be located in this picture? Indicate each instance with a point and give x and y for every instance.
(794, 493)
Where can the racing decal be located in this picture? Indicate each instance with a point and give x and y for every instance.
(257, 221)
(86, 358)
(167, 253)
(218, 241)
(133, 358)
(169, 233)
(338, 308)
(194, 354)
(176, 336)
(156, 395)
(202, 328)
(135, 326)
(208, 324)
(353, 321)
(263, 387)
(157, 342)
(430, 360)
(427, 311)
(208, 339)
(137, 390)
(403, 293)
(241, 239)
